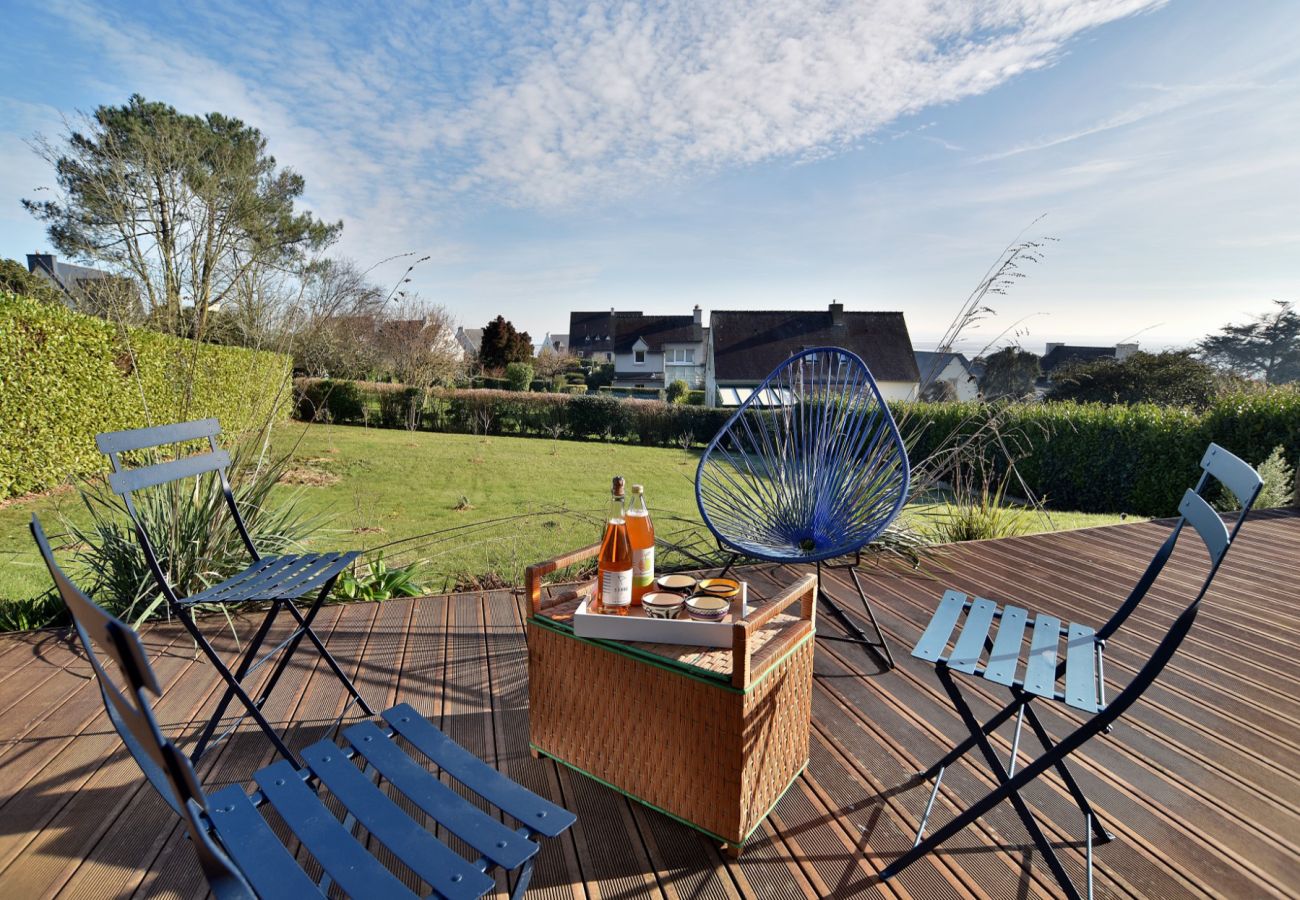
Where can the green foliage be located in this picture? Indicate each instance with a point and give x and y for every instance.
(1279, 481)
(1011, 372)
(225, 207)
(600, 376)
(1172, 378)
(678, 391)
(64, 377)
(1267, 347)
(976, 513)
(379, 582)
(518, 376)
(15, 279)
(36, 612)
(503, 345)
(191, 529)
(1094, 458)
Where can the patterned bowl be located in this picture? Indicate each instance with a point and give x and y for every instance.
(661, 606)
(720, 587)
(707, 608)
(676, 583)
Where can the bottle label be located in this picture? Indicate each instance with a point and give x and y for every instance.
(643, 567)
(616, 587)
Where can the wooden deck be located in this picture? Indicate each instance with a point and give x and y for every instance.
(1201, 782)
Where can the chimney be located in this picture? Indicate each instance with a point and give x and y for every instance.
(699, 316)
(1124, 351)
(837, 313)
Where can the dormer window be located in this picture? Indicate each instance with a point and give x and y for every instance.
(638, 357)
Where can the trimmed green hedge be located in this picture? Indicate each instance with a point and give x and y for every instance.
(65, 376)
(1105, 458)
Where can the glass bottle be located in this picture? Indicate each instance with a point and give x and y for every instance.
(641, 535)
(614, 569)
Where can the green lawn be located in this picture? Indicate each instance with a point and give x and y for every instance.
(527, 499)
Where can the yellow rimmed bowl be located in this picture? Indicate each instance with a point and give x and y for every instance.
(719, 587)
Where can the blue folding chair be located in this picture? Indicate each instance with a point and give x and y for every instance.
(275, 580)
(1076, 681)
(243, 856)
(810, 468)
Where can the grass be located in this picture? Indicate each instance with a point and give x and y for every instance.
(491, 504)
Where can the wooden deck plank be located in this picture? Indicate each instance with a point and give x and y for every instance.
(1201, 780)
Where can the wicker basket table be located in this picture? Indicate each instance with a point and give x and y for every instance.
(711, 737)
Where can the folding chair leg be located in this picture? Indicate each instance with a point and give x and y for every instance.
(856, 634)
(525, 876)
(233, 686)
(1102, 835)
(966, 744)
(1008, 789)
(305, 630)
(250, 653)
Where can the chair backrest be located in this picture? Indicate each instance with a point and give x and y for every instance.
(1218, 466)
(104, 638)
(126, 481)
(811, 466)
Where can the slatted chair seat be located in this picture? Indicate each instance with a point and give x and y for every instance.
(1036, 657)
(245, 851)
(276, 578)
(1024, 652)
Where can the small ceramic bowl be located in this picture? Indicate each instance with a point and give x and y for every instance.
(707, 608)
(661, 606)
(676, 583)
(720, 587)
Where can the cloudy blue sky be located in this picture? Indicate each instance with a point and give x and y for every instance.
(553, 156)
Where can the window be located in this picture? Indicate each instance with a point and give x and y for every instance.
(681, 356)
(638, 357)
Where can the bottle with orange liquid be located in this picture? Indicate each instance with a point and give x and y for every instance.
(641, 535)
(614, 568)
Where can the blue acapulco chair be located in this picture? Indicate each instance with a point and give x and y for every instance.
(241, 847)
(810, 468)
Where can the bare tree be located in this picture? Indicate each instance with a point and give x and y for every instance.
(416, 343)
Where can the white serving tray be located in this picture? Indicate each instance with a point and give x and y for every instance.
(637, 626)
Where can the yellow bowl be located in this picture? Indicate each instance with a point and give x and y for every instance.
(719, 587)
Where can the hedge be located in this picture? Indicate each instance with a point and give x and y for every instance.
(1110, 458)
(1085, 457)
(65, 376)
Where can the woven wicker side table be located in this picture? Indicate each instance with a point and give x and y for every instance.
(711, 737)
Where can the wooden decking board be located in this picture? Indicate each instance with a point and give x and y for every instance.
(1201, 779)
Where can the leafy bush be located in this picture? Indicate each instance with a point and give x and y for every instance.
(677, 391)
(64, 377)
(379, 582)
(1279, 481)
(518, 376)
(327, 400)
(1173, 378)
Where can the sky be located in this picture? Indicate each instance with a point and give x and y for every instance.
(748, 154)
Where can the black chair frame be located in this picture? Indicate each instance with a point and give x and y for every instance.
(278, 581)
(240, 854)
(1217, 465)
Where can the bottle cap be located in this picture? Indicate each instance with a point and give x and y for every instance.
(637, 489)
(618, 486)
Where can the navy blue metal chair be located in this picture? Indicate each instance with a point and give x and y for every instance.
(277, 580)
(1076, 681)
(810, 468)
(243, 856)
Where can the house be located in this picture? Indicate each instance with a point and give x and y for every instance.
(943, 367)
(1059, 355)
(591, 334)
(746, 345)
(78, 283)
(470, 340)
(655, 351)
(554, 343)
